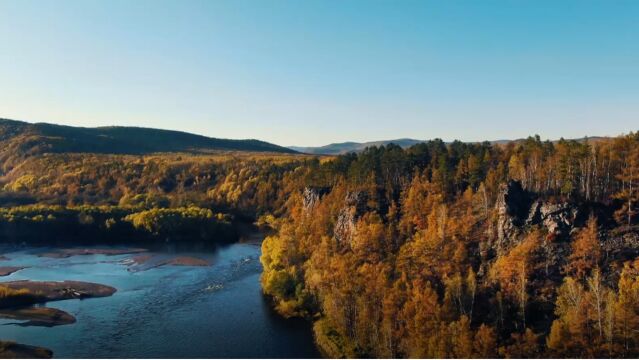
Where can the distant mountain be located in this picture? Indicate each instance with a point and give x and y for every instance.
(19, 140)
(26, 137)
(346, 147)
(590, 139)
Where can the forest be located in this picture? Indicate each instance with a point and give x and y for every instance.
(460, 250)
(83, 198)
(523, 249)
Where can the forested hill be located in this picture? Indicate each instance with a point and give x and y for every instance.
(18, 138)
(347, 147)
(525, 249)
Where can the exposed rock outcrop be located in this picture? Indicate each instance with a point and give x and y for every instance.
(518, 209)
(355, 205)
(558, 219)
(513, 204)
(311, 196)
(622, 244)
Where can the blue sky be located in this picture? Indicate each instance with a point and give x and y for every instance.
(314, 72)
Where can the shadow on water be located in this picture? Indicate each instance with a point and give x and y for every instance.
(301, 327)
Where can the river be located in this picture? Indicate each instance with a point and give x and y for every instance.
(216, 311)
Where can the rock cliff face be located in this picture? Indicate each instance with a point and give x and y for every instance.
(517, 212)
(355, 205)
(518, 209)
(558, 219)
(512, 206)
(311, 196)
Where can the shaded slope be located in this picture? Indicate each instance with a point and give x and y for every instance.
(19, 140)
(122, 140)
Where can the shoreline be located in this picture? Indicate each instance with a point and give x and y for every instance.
(38, 316)
(8, 270)
(45, 291)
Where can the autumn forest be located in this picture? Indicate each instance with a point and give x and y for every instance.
(527, 248)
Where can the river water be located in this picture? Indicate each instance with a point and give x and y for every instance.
(165, 312)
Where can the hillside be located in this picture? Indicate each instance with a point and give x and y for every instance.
(20, 139)
(346, 147)
(524, 249)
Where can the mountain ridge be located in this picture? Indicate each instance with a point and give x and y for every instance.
(20, 140)
(122, 139)
(352, 146)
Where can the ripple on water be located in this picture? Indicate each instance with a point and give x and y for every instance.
(167, 311)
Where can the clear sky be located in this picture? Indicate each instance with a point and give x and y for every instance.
(306, 72)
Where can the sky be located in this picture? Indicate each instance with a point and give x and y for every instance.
(309, 73)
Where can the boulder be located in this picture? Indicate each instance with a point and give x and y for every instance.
(558, 219)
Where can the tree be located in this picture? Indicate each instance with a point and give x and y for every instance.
(585, 315)
(586, 251)
(525, 345)
(568, 332)
(485, 342)
(629, 178)
(627, 310)
(511, 271)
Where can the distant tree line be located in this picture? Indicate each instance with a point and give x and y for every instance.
(49, 225)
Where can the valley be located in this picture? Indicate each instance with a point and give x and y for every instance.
(484, 244)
